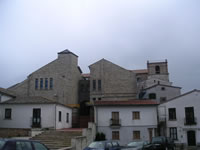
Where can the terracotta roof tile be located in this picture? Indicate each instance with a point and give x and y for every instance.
(125, 103)
(140, 71)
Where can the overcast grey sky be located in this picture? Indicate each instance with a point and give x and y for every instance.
(126, 32)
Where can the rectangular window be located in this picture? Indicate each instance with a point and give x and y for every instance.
(41, 83)
(136, 115)
(115, 135)
(94, 85)
(36, 83)
(8, 113)
(189, 116)
(67, 117)
(136, 135)
(115, 118)
(60, 116)
(172, 113)
(51, 83)
(173, 133)
(99, 85)
(46, 83)
(163, 99)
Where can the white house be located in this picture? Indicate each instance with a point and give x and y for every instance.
(126, 121)
(34, 112)
(180, 118)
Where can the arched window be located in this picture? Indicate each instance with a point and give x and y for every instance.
(157, 68)
(152, 96)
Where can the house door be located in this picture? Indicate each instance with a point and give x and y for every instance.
(36, 120)
(150, 134)
(191, 138)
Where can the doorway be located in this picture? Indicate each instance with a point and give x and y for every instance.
(191, 138)
(36, 120)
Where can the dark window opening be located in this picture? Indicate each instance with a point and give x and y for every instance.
(152, 96)
(157, 68)
(67, 117)
(60, 116)
(51, 83)
(46, 83)
(162, 88)
(172, 113)
(8, 113)
(41, 83)
(36, 83)
(189, 116)
(99, 85)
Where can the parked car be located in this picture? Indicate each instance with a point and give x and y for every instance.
(103, 145)
(161, 143)
(17, 144)
(136, 145)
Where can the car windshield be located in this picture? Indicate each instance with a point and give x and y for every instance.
(2, 142)
(135, 144)
(96, 145)
(157, 140)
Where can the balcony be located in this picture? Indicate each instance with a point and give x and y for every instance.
(190, 121)
(115, 123)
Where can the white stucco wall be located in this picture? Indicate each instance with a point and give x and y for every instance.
(148, 119)
(22, 115)
(64, 111)
(169, 92)
(4, 98)
(189, 100)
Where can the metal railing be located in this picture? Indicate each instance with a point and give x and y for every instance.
(115, 122)
(190, 121)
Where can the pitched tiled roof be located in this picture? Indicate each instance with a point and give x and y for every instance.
(140, 71)
(30, 100)
(162, 85)
(125, 103)
(86, 75)
(7, 92)
(67, 52)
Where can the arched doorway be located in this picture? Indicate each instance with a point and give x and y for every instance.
(191, 138)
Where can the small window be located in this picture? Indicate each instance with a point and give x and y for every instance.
(152, 96)
(67, 117)
(46, 83)
(8, 113)
(162, 88)
(41, 83)
(172, 113)
(99, 85)
(136, 115)
(60, 116)
(94, 99)
(94, 85)
(163, 99)
(99, 98)
(36, 83)
(157, 69)
(136, 135)
(115, 135)
(51, 83)
(173, 133)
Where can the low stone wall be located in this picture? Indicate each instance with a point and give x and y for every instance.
(88, 136)
(8, 133)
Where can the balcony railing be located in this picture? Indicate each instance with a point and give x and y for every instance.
(190, 121)
(115, 122)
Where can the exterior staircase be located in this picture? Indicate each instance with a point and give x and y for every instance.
(57, 139)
